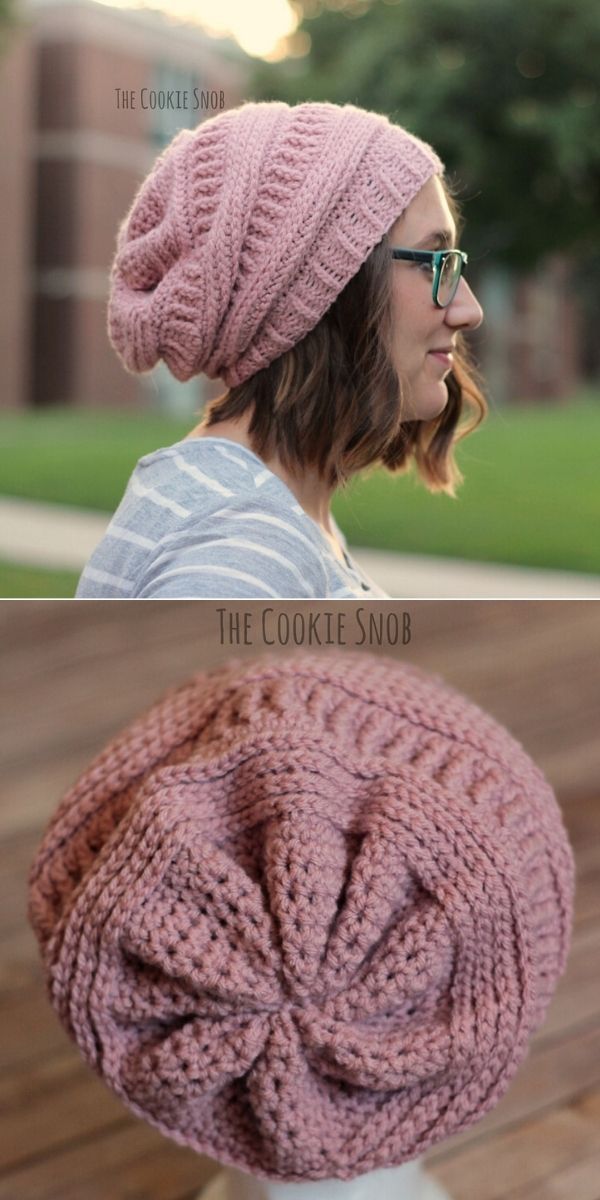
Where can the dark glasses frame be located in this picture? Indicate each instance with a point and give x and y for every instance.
(435, 258)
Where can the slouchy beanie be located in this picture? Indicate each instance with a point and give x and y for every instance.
(249, 226)
(304, 915)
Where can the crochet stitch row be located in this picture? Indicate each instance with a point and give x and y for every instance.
(305, 914)
(249, 226)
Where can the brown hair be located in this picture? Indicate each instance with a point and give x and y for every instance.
(331, 402)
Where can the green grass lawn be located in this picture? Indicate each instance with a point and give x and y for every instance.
(80, 458)
(531, 494)
(18, 582)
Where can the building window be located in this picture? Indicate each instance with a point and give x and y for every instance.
(171, 103)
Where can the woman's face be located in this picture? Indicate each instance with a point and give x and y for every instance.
(418, 326)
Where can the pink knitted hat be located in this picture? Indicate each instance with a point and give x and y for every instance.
(247, 229)
(305, 914)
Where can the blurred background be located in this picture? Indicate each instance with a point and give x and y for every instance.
(507, 93)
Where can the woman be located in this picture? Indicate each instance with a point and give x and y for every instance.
(305, 256)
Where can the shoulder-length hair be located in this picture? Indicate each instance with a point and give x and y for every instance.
(334, 401)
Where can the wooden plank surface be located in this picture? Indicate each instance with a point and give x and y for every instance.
(523, 1158)
(73, 674)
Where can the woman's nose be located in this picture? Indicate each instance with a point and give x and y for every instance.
(465, 310)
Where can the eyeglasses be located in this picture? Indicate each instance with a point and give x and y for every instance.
(447, 267)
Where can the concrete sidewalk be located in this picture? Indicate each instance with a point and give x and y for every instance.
(52, 535)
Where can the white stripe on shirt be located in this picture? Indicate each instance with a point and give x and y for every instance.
(268, 520)
(244, 544)
(195, 473)
(117, 581)
(231, 571)
(262, 478)
(127, 535)
(151, 494)
(232, 457)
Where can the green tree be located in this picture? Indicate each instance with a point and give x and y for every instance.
(506, 91)
(8, 19)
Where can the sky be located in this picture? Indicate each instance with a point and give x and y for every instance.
(258, 25)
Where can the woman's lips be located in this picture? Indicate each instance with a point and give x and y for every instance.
(445, 359)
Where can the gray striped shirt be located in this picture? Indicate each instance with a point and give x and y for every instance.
(206, 518)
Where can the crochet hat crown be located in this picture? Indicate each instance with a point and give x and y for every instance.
(305, 914)
(249, 226)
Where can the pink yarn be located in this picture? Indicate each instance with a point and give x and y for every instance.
(249, 226)
(304, 915)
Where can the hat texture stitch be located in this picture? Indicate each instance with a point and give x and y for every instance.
(248, 227)
(305, 914)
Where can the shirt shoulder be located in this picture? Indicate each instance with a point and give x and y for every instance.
(205, 518)
(242, 534)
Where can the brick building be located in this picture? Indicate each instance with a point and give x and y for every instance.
(85, 101)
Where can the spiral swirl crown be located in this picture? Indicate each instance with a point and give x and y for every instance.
(248, 227)
(305, 914)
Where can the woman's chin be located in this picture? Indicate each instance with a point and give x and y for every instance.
(429, 404)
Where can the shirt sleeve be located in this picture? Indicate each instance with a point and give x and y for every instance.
(262, 555)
